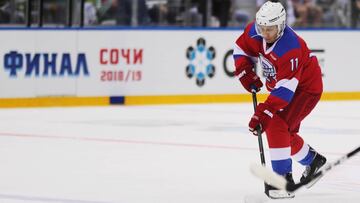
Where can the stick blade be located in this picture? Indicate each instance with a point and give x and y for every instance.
(268, 176)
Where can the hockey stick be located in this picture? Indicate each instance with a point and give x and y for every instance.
(280, 182)
(261, 148)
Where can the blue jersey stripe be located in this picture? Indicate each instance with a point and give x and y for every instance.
(287, 42)
(282, 167)
(236, 56)
(283, 93)
(308, 158)
(253, 33)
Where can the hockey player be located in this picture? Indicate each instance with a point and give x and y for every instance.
(293, 78)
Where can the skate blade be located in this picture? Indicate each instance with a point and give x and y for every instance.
(312, 183)
(280, 194)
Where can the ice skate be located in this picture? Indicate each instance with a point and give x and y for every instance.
(275, 193)
(311, 169)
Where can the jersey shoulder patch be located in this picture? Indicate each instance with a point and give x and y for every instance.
(287, 43)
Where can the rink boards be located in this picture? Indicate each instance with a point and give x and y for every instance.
(74, 67)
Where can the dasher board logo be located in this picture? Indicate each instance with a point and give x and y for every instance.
(45, 64)
(200, 64)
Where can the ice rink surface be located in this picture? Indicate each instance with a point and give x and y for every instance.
(161, 154)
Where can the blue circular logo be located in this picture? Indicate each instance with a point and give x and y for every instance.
(200, 62)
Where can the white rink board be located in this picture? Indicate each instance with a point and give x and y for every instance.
(159, 68)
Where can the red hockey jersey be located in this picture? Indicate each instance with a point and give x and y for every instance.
(287, 65)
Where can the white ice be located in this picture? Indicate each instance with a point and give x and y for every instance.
(161, 154)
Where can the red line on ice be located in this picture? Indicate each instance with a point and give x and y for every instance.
(110, 140)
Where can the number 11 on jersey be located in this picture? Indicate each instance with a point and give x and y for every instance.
(294, 63)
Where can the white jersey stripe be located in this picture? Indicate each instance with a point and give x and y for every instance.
(288, 84)
(277, 154)
(239, 51)
(302, 153)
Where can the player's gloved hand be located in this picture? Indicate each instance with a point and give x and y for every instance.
(261, 118)
(250, 80)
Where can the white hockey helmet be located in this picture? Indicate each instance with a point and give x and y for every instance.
(270, 14)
